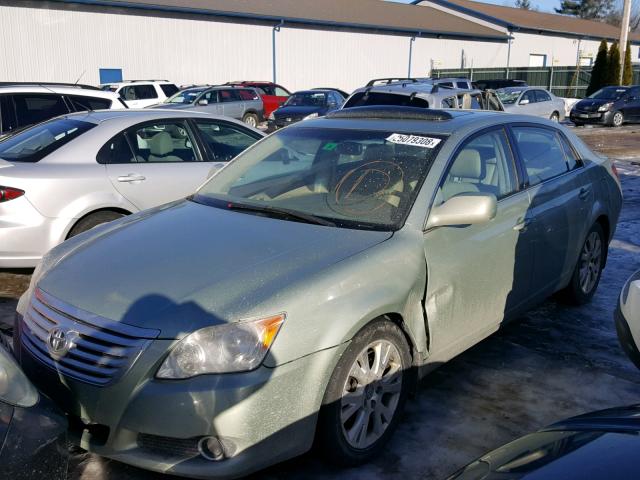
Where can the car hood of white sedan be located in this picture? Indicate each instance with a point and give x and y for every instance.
(190, 265)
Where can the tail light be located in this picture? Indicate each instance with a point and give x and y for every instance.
(8, 193)
(614, 169)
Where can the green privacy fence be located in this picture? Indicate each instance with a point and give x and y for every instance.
(562, 81)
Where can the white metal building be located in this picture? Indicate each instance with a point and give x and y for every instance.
(301, 43)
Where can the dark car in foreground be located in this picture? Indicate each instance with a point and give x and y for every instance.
(33, 432)
(601, 445)
(296, 297)
(612, 106)
(304, 105)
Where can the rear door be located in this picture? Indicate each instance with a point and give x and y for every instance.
(155, 162)
(632, 104)
(232, 104)
(559, 204)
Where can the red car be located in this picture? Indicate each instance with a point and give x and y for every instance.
(272, 94)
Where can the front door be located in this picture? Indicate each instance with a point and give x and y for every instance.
(156, 163)
(480, 273)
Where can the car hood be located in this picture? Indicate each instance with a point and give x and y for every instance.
(297, 111)
(589, 103)
(189, 265)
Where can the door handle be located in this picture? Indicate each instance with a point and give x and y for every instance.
(523, 225)
(584, 193)
(132, 177)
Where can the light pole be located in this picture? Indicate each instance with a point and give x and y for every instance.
(276, 28)
(624, 33)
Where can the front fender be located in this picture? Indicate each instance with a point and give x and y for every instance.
(329, 309)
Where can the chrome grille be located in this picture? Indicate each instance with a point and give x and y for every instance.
(80, 344)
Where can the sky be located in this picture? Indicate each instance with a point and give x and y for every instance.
(541, 5)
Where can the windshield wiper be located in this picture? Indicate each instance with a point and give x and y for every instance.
(282, 213)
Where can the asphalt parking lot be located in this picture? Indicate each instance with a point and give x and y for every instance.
(555, 362)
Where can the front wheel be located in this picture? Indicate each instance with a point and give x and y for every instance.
(366, 394)
(588, 269)
(251, 119)
(617, 120)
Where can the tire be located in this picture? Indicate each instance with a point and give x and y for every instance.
(93, 220)
(250, 119)
(584, 283)
(555, 117)
(338, 433)
(625, 337)
(617, 119)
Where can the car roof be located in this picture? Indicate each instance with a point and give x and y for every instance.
(58, 90)
(139, 115)
(459, 121)
(418, 89)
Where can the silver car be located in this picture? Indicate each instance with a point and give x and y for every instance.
(241, 103)
(532, 101)
(67, 175)
(298, 295)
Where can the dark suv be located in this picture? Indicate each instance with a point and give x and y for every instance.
(608, 106)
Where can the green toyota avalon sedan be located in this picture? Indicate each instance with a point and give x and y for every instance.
(298, 295)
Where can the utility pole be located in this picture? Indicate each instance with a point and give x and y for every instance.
(624, 33)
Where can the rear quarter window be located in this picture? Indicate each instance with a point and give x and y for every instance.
(169, 89)
(82, 103)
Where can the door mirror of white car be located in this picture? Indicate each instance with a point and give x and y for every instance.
(524, 101)
(203, 102)
(464, 209)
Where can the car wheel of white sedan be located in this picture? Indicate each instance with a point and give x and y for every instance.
(555, 117)
(366, 394)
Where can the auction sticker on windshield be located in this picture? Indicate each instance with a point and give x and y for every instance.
(415, 140)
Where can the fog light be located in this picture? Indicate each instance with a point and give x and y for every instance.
(211, 449)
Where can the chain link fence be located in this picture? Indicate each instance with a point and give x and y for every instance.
(568, 82)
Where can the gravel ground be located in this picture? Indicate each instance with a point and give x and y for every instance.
(554, 362)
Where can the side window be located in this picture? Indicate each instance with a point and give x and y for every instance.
(446, 84)
(569, 154)
(529, 95)
(281, 92)
(169, 89)
(484, 164)
(462, 85)
(162, 142)
(542, 96)
(34, 107)
(116, 150)
(224, 140)
(268, 90)
(145, 92)
(128, 93)
(541, 153)
(247, 95)
(228, 96)
(211, 96)
(450, 102)
(7, 114)
(81, 103)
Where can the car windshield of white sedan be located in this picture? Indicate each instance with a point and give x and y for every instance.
(35, 143)
(185, 96)
(508, 97)
(344, 178)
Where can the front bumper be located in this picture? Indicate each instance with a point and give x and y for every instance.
(26, 235)
(261, 417)
(596, 118)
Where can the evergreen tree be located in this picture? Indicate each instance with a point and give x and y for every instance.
(589, 9)
(612, 76)
(523, 4)
(627, 73)
(599, 69)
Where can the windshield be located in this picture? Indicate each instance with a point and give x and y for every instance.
(351, 178)
(508, 97)
(306, 99)
(109, 88)
(185, 96)
(37, 142)
(609, 93)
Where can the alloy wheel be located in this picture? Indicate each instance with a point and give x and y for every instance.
(251, 121)
(371, 393)
(617, 119)
(555, 118)
(590, 261)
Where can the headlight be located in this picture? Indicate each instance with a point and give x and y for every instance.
(310, 116)
(15, 387)
(605, 107)
(233, 347)
(272, 116)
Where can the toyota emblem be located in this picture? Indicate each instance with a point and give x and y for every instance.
(59, 342)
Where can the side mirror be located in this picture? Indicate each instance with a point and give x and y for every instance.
(464, 209)
(203, 102)
(524, 101)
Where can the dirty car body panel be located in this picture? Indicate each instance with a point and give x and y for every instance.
(342, 258)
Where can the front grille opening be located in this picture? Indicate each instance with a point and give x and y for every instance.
(178, 447)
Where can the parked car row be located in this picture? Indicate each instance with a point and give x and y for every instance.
(194, 317)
